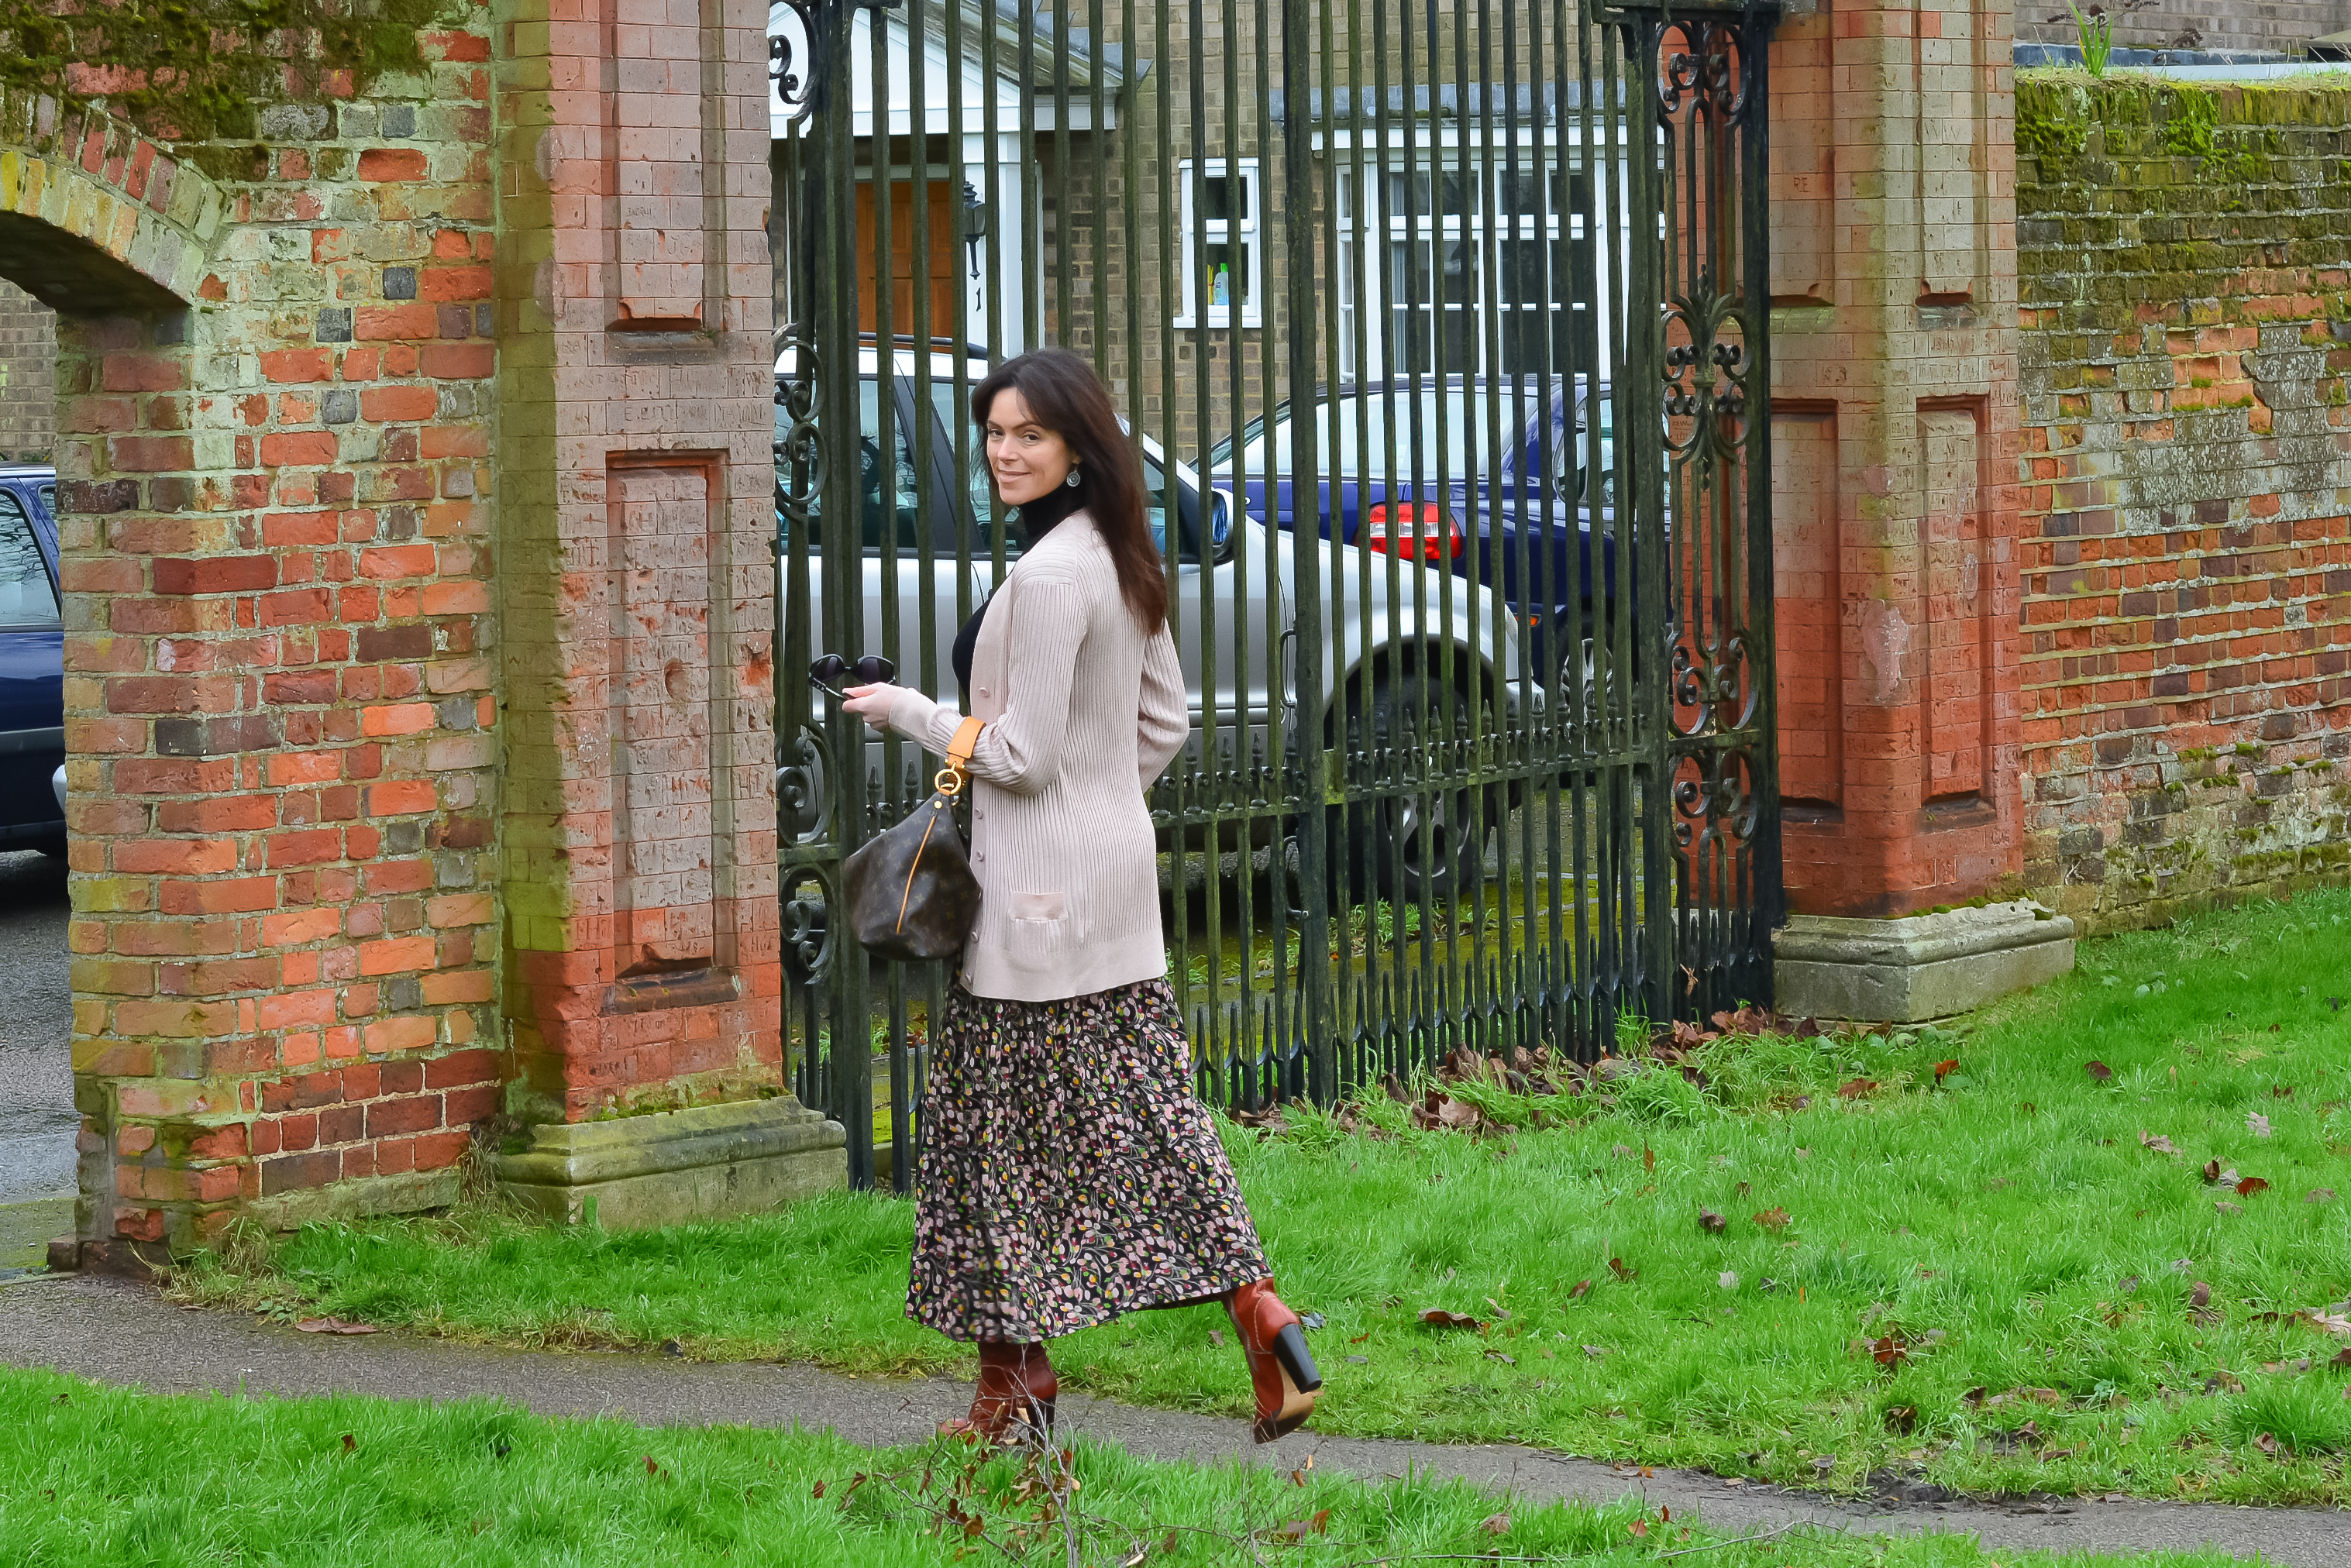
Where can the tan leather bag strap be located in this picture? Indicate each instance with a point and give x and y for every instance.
(959, 749)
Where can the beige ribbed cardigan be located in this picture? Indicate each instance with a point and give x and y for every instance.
(1082, 712)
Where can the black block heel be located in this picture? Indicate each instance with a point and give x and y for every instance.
(1289, 1345)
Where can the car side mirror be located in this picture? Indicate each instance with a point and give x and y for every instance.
(1220, 528)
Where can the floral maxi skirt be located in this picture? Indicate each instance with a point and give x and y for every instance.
(1069, 1175)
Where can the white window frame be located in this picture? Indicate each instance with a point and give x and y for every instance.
(1383, 231)
(1246, 235)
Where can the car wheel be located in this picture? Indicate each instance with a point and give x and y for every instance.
(1407, 847)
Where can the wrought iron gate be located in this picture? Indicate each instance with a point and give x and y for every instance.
(1441, 325)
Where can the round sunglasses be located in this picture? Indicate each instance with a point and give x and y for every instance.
(831, 673)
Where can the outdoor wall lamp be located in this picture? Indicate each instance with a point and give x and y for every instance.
(974, 225)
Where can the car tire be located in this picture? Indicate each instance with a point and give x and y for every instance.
(1406, 848)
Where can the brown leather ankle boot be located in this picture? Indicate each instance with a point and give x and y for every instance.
(1014, 1398)
(1281, 1370)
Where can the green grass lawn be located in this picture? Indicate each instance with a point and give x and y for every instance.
(92, 1476)
(1988, 1282)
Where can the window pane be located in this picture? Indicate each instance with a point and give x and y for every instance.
(27, 603)
(887, 493)
(1155, 510)
(1225, 198)
(1522, 194)
(1414, 195)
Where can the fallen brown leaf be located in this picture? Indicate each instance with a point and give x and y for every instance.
(1495, 1525)
(2159, 1143)
(2200, 1295)
(1300, 1529)
(1902, 1418)
(1616, 1266)
(333, 1326)
(1582, 1289)
(2098, 1070)
(1945, 1069)
(2251, 1186)
(1772, 1219)
(1710, 1222)
(1857, 1089)
(1438, 1318)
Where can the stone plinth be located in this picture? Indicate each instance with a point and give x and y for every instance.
(1923, 966)
(713, 1162)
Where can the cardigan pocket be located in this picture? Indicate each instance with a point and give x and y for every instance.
(1041, 925)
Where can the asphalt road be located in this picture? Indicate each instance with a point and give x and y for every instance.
(36, 1113)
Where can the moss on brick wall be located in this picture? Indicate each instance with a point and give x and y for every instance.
(2185, 299)
(201, 70)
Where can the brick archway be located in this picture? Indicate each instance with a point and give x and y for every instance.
(95, 218)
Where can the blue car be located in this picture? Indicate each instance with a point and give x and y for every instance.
(1520, 515)
(32, 665)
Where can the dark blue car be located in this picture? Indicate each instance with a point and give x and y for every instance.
(32, 665)
(1506, 499)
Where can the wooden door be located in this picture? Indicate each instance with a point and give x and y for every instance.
(939, 273)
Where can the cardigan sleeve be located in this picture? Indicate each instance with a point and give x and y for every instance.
(1020, 751)
(1166, 718)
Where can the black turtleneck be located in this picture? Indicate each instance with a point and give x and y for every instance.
(1036, 520)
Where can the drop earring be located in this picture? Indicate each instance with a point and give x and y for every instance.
(1072, 480)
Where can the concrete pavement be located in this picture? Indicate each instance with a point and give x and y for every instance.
(37, 1110)
(121, 1332)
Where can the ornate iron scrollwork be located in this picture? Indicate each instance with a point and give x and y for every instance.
(800, 454)
(1709, 72)
(806, 932)
(795, 90)
(1706, 377)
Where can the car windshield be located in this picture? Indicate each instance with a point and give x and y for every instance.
(1389, 433)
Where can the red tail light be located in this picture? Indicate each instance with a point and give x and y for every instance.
(1416, 529)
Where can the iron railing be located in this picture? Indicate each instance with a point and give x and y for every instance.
(1442, 323)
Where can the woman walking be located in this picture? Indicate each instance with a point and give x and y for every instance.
(1068, 1173)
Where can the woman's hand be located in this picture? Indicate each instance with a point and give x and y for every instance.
(871, 704)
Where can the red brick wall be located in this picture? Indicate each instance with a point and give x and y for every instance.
(2187, 673)
(279, 698)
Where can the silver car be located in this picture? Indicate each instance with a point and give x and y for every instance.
(930, 545)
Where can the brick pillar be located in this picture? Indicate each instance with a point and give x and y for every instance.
(644, 969)
(1895, 419)
(280, 724)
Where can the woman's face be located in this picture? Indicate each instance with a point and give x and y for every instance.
(1027, 459)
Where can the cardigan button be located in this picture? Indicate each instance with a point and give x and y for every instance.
(983, 691)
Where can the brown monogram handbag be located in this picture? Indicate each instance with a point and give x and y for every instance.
(911, 892)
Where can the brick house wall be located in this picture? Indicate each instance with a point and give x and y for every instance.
(28, 359)
(2186, 262)
(2273, 26)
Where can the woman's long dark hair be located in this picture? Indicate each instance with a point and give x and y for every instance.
(1066, 397)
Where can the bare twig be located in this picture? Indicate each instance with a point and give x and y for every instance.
(1741, 1541)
